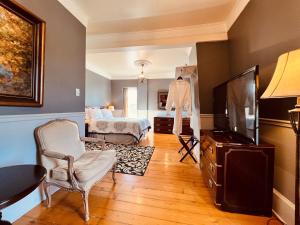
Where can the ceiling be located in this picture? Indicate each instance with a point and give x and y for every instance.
(120, 64)
(121, 31)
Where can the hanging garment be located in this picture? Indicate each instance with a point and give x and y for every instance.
(179, 96)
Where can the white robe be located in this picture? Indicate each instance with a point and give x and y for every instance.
(179, 96)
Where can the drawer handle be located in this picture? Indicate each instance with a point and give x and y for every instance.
(211, 149)
(169, 125)
(212, 169)
(210, 183)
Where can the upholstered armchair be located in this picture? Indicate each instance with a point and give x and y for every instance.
(69, 165)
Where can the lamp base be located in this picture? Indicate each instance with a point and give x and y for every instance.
(295, 122)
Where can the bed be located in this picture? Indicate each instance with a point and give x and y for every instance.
(116, 130)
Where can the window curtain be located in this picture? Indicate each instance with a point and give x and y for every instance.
(125, 101)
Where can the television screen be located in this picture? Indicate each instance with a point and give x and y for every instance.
(242, 104)
(220, 107)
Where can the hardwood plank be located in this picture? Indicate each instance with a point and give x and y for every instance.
(169, 193)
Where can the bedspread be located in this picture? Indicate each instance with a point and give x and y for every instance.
(120, 125)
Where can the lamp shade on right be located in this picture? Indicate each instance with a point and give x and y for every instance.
(286, 78)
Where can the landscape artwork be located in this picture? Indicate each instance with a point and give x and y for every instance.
(16, 55)
(22, 47)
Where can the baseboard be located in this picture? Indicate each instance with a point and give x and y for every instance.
(283, 208)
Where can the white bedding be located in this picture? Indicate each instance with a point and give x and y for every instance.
(120, 125)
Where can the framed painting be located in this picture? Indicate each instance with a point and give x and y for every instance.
(21, 56)
(162, 99)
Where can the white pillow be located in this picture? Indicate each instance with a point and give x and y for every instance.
(95, 114)
(107, 114)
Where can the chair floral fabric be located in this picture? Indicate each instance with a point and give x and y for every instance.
(68, 164)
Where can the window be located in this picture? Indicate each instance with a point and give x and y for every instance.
(130, 102)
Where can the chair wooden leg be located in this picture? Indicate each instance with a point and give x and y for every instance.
(46, 188)
(85, 198)
(114, 173)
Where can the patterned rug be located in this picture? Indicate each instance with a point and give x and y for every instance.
(132, 159)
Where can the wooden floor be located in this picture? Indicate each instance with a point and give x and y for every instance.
(169, 193)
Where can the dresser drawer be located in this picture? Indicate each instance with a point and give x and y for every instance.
(186, 122)
(163, 119)
(209, 150)
(216, 190)
(214, 170)
(163, 130)
(163, 124)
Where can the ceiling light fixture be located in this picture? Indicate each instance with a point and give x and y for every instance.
(142, 63)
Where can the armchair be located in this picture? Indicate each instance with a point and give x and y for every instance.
(68, 164)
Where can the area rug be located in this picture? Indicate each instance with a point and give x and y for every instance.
(132, 159)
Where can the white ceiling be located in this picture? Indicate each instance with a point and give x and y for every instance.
(122, 31)
(103, 10)
(120, 64)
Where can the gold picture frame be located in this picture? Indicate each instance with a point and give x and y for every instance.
(22, 47)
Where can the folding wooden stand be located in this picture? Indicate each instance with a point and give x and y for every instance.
(185, 140)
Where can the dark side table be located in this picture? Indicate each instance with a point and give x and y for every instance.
(16, 182)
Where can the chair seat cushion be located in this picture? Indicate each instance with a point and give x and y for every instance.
(87, 166)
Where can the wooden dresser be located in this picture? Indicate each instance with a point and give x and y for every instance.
(238, 175)
(165, 125)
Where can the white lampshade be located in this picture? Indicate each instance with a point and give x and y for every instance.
(111, 107)
(286, 78)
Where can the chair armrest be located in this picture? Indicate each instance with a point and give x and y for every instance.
(69, 158)
(93, 140)
(56, 155)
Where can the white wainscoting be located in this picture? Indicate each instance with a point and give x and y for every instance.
(280, 134)
(207, 121)
(18, 146)
(283, 208)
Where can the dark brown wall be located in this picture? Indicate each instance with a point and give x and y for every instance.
(64, 60)
(264, 30)
(213, 69)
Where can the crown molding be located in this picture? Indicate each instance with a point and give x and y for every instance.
(237, 9)
(75, 11)
(169, 36)
(189, 34)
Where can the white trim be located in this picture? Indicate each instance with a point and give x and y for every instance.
(206, 115)
(283, 208)
(75, 11)
(275, 122)
(237, 9)
(28, 117)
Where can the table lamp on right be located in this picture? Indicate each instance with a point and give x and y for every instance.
(286, 83)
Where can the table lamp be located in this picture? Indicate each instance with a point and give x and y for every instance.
(111, 107)
(286, 83)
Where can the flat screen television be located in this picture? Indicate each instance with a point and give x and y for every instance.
(220, 107)
(236, 105)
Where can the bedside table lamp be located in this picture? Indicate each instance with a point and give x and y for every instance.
(286, 83)
(111, 108)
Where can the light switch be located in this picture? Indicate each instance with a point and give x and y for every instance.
(77, 92)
